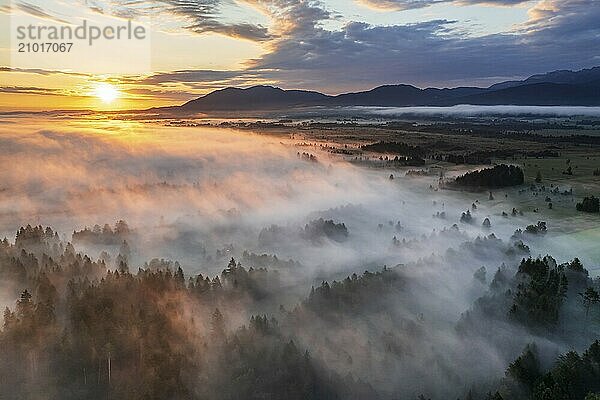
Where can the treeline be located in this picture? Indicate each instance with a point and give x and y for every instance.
(511, 130)
(352, 293)
(105, 235)
(315, 231)
(268, 260)
(499, 176)
(396, 148)
(320, 228)
(589, 204)
(484, 157)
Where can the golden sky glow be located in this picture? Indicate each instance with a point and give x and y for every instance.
(106, 92)
(332, 46)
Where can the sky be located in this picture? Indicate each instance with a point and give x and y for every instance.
(195, 46)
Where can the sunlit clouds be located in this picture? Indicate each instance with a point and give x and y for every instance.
(317, 45)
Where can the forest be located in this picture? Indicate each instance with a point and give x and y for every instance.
(496, 177)
(82, 329)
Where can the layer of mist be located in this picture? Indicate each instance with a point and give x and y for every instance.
(467, 110)
(434, 320)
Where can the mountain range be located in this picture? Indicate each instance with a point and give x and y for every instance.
(558, 88)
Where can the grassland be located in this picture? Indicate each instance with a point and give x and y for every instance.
(504, 144)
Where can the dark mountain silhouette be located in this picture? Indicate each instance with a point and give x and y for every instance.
(581, 77)
(402, 95)
(257, 97)
(580, 88)
(540, 94)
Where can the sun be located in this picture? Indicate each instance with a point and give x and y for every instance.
(106, 92)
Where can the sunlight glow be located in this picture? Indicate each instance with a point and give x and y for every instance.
(106, 92)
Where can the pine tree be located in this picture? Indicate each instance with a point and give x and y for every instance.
(217, 326)
(179, 278)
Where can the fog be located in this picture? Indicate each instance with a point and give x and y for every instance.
(213, 187)
(201, 195)
(476, 110)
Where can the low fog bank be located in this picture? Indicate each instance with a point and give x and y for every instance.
(475, 110)
(195, 195)
(434, 317)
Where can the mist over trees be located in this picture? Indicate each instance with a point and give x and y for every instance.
(105, 235)
(248, 269)
(81, 329)
(320, 228)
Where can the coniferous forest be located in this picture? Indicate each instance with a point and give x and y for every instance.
(80, 328)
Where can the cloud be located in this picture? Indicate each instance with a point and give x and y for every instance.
(573, 17)
(173, 86)
(198, 16)
(37, 11)
(40, 71)
(202, 17)
(292, 16)
(401, 5)
(189, 76)
(183, 85)
(398, 5)
(290, 19)
(169, 94)
(559, 35)
(302, 52)
(30, 90)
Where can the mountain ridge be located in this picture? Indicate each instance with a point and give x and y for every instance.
(556, 88)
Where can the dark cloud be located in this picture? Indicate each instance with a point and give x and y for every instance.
(189, 76)
(241, 31)
(190, 82)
